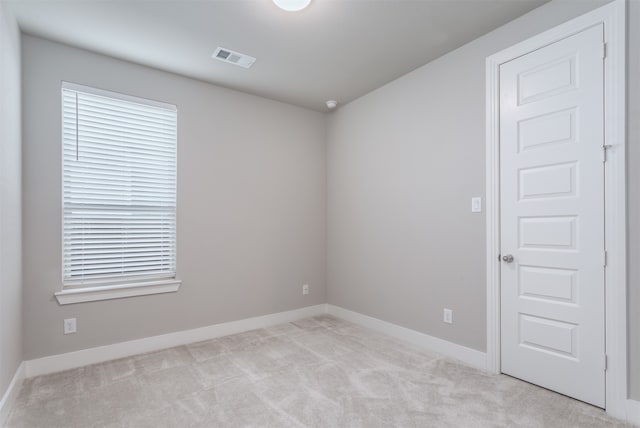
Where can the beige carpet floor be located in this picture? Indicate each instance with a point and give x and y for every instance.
(317, 372)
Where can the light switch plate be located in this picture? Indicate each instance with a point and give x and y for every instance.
(447, 316)
(476, 204)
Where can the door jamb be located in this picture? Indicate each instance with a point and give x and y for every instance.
(613, 16)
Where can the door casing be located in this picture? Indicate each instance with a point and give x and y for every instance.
(613, 17)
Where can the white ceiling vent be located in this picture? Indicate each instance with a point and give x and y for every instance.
(232, 57)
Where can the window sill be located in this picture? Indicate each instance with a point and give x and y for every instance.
(106, 292)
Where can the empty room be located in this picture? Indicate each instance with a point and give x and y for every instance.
(319, 213)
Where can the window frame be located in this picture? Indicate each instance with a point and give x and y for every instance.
(117, 287)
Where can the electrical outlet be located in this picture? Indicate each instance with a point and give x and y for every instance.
(305, 289)
(476, 204)
(69, 326)
(447, 316)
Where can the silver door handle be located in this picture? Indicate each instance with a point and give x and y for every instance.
(508, 258)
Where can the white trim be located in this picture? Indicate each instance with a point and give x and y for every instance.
(633, 412)
(70, 360)
(10, 395)
(469, 356)
(615, 209)
(612, 16)
(106, 292)
(492, 203)
(117, 95)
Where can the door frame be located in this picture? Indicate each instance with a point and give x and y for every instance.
(613, 17)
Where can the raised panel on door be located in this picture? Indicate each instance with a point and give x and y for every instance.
(552, 216)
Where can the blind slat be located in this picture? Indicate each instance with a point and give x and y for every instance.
(69, 135)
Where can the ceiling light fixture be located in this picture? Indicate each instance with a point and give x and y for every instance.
(292, 5)
(331, 104)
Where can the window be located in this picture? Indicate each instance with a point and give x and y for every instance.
(119, 194)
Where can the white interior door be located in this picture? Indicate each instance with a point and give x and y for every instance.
(552, 217)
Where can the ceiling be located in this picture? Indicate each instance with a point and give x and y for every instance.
(334, 49)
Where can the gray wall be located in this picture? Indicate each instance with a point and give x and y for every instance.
(633, 194)
(251, 204)
(10, 204)
(403, 163)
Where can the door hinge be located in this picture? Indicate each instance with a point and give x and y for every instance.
(604, 261)
(606, 362)
(604, 50)
(605, 148)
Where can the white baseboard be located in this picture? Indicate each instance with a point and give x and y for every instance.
(56, 363)
(469, 356)
(11, 394)
(633, 412)
(630, 410)
(70, 360)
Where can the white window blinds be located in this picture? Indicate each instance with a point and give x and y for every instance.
(119, 188)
